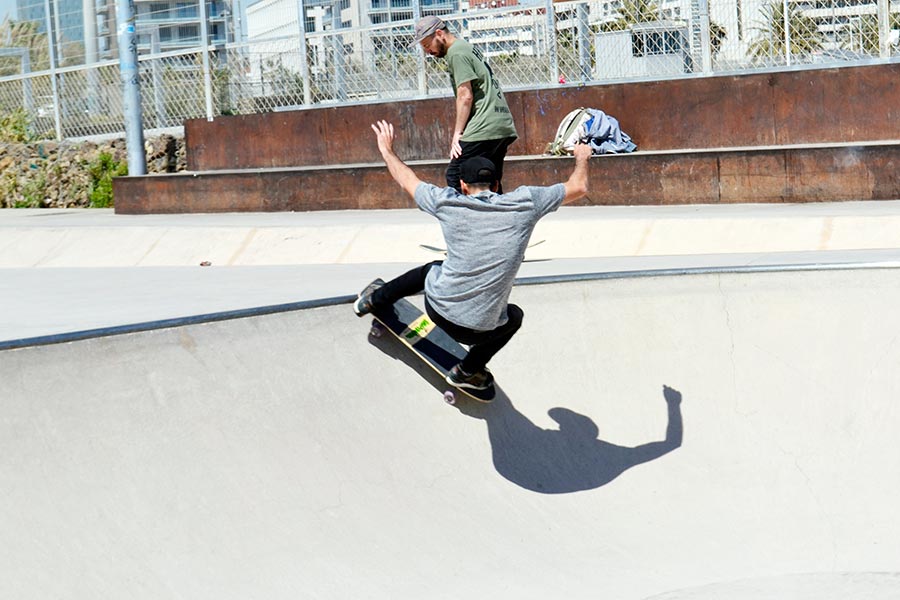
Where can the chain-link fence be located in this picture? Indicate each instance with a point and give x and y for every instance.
(266, 61)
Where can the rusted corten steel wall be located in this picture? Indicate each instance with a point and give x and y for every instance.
(850, 104)
(775, 175)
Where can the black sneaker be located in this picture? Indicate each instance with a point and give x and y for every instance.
(363, 304)
(476, 381)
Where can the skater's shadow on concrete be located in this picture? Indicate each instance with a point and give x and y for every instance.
(550, 461)
(571, 458)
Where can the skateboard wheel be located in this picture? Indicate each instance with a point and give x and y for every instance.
(377, 329)
(449, 397)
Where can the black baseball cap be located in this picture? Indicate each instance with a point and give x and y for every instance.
(478, 169)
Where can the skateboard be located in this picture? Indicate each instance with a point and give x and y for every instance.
(428, 341)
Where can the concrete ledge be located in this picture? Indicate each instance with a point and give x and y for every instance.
(793, 174)
(76, 239)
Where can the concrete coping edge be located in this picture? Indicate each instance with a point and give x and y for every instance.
(243, 313)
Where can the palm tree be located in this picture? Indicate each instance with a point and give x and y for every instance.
(23, 34)
(717, 35)
(631, 12)
(864, 35)
(804, 34)
(645, 11)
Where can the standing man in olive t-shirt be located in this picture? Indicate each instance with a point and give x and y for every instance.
(483, 125)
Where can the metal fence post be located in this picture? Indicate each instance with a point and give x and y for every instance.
(304, 53)
(552, 55)
(705, 42)
(337, 50)
(207, 75)
(787, 32)
(584, 41)
(420, 55)
(237, 10)
(131, 88)
(89, 19)
(884, 29)
(53, 83)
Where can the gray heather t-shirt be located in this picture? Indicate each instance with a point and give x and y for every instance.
(486, 237)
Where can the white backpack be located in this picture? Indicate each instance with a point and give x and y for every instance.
(572, 129)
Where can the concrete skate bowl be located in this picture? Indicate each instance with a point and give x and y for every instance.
(722, 435)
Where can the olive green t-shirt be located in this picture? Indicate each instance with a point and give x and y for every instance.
(490, 118)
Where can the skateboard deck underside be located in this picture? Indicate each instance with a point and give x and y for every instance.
(432, 344)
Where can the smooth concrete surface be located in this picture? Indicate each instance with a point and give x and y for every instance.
(64, 271)
(36, 303)
(686, 437)
(100, 238)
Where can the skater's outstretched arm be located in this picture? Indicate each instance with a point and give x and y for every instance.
(402, 174)
(577, 184)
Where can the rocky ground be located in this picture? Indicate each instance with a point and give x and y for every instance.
(75, 174)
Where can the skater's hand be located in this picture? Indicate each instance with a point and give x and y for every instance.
(402, 174)
(672, 395)
(577, 184)
(582, 151)
(384, 134)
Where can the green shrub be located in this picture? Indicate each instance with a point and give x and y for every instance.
(14, 127)
(9, 189)
(34, 191)
(102, 171)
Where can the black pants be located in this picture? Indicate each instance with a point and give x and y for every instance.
(494, 150)
(483, 345)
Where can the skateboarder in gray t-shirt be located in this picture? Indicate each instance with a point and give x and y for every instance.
(486, 234)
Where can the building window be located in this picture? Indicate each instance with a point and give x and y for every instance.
(650, 43)
(159, 10)
(189, 33)
(310, 24)
(186, 10)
